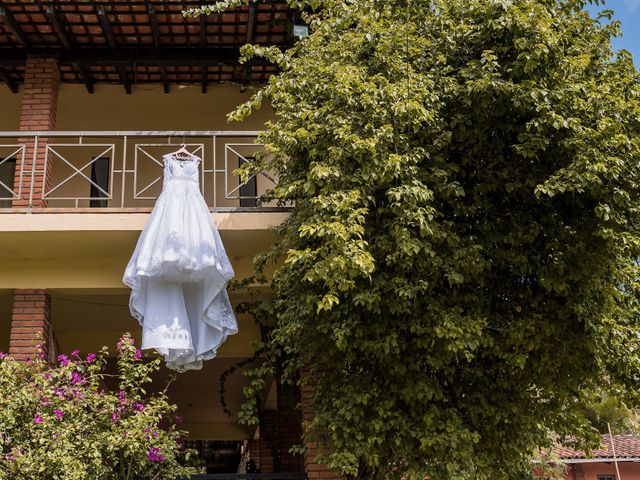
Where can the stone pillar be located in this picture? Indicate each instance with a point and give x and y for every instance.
(38, 113)
(31, 324)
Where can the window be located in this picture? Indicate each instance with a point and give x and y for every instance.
(249, 190)
(7, 171)
(100, 177)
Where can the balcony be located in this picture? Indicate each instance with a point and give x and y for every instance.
(111, 171)
(77, 228)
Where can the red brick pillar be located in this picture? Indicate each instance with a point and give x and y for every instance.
(289, 428)
(268, 441)
(38, 113)
(254, 452)
(313, 468)
(30, 324)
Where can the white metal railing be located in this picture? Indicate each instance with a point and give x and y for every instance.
(123, 169)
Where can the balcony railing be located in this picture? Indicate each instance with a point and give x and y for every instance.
(107, 170)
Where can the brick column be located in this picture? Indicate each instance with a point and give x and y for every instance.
(267, 443)
(30, 324)
(289, 428)
(254, 453)
(38, 113)
(312, 467)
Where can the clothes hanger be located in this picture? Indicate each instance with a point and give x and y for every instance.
(183, 154)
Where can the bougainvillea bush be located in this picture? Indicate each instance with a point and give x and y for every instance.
(62, 422)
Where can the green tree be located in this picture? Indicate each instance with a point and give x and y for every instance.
(606, 411)
(457, 272)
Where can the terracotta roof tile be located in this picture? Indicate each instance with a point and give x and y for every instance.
(626, 446)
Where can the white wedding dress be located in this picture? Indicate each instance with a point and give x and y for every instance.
(178, 274)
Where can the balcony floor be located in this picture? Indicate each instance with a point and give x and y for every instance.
(91, 250)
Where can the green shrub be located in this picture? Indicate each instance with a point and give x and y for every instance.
(62, 422)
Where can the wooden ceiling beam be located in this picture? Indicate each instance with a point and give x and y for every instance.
(106, 27)
(126, 57)
(111, 41)
(58, 27)
(83, 73)
(155, 26)
(157, 42)
(66, 42)
(251, 29)
(204, 72)
(13, 26)
(203, 31)
(165, 80)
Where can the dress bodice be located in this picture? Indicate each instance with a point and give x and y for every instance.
(181, 170)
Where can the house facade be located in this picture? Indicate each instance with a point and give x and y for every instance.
(92, 94)
(617, 459)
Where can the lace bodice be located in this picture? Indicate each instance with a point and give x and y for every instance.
(181, 170)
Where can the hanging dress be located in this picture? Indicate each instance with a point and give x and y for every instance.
(178, 274)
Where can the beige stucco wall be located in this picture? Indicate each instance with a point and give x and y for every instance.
(9, 109)
(149, 108)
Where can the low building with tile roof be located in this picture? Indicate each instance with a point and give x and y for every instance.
(618, 458)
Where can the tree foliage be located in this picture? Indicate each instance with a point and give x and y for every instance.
(605, 411)
(458, 271)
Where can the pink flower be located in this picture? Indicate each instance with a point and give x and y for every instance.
(37, 419)
(177, 420)
(154, 455)
(63, 360)
(58, 413)
(114, 417)
(75, 353)
(77, 394)
(76, 378)
(138, 406)
(2, 355)
(91, 357)
(41, 355)
(138, 354)
(121, 342)
(121, 395)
